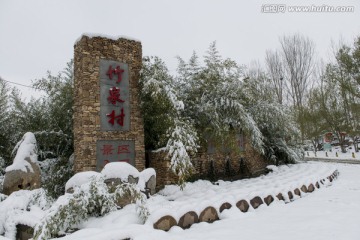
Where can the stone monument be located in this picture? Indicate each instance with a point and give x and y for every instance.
(108, 126)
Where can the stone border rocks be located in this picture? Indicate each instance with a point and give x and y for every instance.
(243, 205)
(210, 214)
(268, 200)
(165, 223)
(224, 206)
(256, 202)
(188, 219)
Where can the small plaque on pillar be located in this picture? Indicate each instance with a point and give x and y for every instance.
(114, 151)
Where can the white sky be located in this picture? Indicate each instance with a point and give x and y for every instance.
(38, 35)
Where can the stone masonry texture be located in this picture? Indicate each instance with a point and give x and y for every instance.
(247, 163)
(88, 52)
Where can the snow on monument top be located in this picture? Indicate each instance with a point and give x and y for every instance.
(26, 149)
(93, 35)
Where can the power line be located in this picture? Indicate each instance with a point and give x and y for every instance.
(18, 84)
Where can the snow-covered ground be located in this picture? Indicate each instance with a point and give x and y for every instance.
(331, 212)
(332, 154)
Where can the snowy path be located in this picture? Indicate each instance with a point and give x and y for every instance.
(332, 213)
(328, 213)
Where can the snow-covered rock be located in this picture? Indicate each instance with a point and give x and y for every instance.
(148, 180)
(114, 174)
(24, 173)
(81, 178)
(120, 170)
(26, 153)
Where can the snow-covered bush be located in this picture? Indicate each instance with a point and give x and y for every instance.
(182, 141)
(90, 199)
(52, 144)
(81, 178)
(2, 172)
(22, 207)
(55, 173)
(132, 192)
(2, 166)
(280, 133)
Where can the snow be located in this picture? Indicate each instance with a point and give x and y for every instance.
(19, 209)
(81, 178)
(120, 170)
(163, 149)
(145, 175)
(26, 148)
(330, 212)
(93, 35)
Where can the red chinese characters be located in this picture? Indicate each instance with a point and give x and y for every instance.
(107, 149)
(116, 118)
(123, 149)
(117, 71)
(119, 118)
(114, 96)
(109, 153)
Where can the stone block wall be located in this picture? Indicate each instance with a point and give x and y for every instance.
(161, 164)
(88, 52)
(247, 163)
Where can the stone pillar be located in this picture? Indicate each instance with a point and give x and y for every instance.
(108, 125)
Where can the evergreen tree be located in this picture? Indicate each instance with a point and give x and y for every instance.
(58, 112)
(168, 123)
(4, 122)
(215, 101)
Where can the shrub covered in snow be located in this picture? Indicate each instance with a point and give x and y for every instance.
(2, 172)
(22, 207)
(181, 143)
(52, 144)
(90, 199)
(2, 166)
(81, 178)
(55, 173)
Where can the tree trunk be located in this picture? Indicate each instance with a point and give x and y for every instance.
(343, 148)
(314, 142)
(356, 145)
(341, 137)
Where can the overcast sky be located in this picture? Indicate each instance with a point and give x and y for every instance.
(38, 35)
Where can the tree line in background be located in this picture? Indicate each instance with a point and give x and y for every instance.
(324, 96)
(213, 99)
(49, 118)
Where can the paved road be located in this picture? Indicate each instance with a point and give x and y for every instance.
(334, 160)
